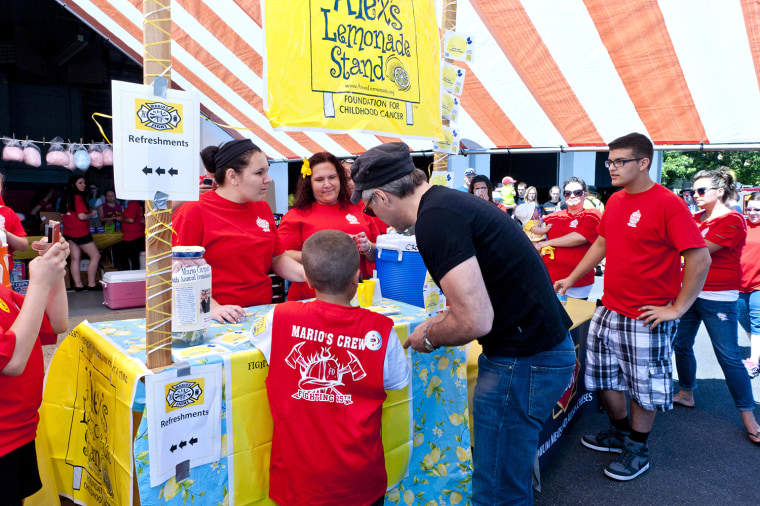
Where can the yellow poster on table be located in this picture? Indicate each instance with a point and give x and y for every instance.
(87, 424)
(340, 65)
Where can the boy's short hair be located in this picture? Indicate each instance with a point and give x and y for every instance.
(330, 261)
(639, 144)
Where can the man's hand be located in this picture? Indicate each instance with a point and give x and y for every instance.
(658, 314)
(415, 339)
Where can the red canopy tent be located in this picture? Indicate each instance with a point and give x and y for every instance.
(546, 76)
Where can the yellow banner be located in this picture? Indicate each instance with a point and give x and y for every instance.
(338, 65)
(86, 425)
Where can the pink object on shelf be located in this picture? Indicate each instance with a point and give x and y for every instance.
(70, 161)
(13, 154)
(32, 156)
(107, 155)
(96, 159)
(57, 158)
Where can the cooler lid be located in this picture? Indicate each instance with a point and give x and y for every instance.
(397, 242)
(123, 276)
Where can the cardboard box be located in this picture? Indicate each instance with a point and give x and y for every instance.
(20, 286)
(124, 289)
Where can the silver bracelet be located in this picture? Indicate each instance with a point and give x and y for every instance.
(430, 347)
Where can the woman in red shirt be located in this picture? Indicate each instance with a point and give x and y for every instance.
(236, 227)
(572, 234)
(749, 292)
(75, 216)
(42, 313)
(323, 202)
(133, 227)
(725, 233)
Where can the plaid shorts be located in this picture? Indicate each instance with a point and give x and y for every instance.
(625, 355)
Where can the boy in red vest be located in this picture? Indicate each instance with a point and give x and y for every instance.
(329, 366)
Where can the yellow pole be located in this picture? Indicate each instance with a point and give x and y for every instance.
(158, 250)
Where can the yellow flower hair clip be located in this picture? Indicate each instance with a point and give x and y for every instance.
(305, 169)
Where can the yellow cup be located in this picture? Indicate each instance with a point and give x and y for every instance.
(365, 292)
(371, 284)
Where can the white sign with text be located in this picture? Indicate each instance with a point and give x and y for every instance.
(184, 419)
(156, 142)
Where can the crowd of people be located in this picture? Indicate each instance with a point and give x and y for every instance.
(500, 258)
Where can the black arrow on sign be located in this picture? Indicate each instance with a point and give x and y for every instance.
(183, 444)
(160, 171)
(174, 447)
(193, 440)
(173, 171)
(147, 170)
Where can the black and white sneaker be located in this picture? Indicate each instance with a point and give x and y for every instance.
(610, 440)
(632, 462)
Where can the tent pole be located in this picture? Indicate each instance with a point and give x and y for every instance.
(158, 215)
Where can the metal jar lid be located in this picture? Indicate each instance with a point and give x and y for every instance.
(188, 251)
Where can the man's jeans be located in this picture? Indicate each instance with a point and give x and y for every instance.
(513, 397)
(720, 320)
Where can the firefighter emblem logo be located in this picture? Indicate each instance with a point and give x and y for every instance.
(159, 116)
(373, 340)
(179, 395)
(322, 374)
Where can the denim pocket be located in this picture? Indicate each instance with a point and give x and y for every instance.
(660, 383)
(547, 384)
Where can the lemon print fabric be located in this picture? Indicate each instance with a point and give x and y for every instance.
(395, 71)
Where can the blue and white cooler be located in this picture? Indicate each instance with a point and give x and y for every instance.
(400, 269)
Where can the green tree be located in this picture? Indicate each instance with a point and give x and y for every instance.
(679, 166)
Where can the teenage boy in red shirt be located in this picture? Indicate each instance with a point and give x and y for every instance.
(644, 232)
(329, 366)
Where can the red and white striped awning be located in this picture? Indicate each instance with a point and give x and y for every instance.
(547, 74)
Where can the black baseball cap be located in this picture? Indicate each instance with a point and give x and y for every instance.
(380, 165)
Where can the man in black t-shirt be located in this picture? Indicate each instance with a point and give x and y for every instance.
(499, 293)
(554, 204)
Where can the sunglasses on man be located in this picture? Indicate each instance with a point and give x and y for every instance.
(368, 210)
(577, 193)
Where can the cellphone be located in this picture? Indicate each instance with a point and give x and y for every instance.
(54, 232)
(208, 181)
